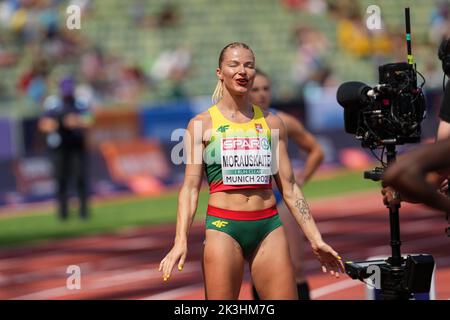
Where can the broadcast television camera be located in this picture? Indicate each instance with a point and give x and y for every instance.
(389, 113)
(383, 116)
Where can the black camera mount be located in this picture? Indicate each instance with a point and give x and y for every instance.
(400, 277)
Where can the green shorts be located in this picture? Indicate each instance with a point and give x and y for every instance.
(248, 233)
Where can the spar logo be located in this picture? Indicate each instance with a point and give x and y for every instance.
(245, 144)
(265, 144)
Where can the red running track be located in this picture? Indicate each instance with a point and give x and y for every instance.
(123, 265)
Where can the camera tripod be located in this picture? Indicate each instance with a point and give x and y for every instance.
(400, 277)
(396, 259)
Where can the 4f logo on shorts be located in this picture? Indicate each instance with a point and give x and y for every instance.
(219, 223)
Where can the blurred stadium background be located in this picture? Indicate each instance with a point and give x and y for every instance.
(145, 67)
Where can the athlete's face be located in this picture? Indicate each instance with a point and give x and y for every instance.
(237, 70)
(261, 93)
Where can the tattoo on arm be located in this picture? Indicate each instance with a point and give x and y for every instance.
(303, 207)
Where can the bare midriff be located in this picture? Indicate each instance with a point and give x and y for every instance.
(243, 199)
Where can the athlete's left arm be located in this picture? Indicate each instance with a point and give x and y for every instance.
(295, 200)
(305, 141)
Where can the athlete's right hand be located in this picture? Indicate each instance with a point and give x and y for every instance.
(178, 254)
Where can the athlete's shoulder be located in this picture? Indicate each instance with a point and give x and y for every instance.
(202, 116)
(202, 119)
(273, 120)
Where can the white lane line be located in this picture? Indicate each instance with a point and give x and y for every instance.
(87, 267)
(316, 293)
(332, 288)
(173, 294)
(116, 278)
(120, 277)
(45, 294)
(144, 242)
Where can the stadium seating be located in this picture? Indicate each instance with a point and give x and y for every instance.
(206, 26)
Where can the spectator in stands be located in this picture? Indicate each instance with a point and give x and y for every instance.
(58, 42)
(169, 16)
(33, 83)
(131, 84)
(137, 13)
(8, 58)
(312, 46)
(312, 6)
(352, 34)
(86, 6)
(440, 22)
(19, 24)
(173, 66)
(94, 70)
(7, 9)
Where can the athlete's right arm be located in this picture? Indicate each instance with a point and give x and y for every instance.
(187, 197)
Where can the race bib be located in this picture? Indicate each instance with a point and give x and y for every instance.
(246, 160)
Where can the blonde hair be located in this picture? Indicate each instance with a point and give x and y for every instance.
(218, 91)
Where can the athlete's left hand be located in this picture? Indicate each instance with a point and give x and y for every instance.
(330, 259)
